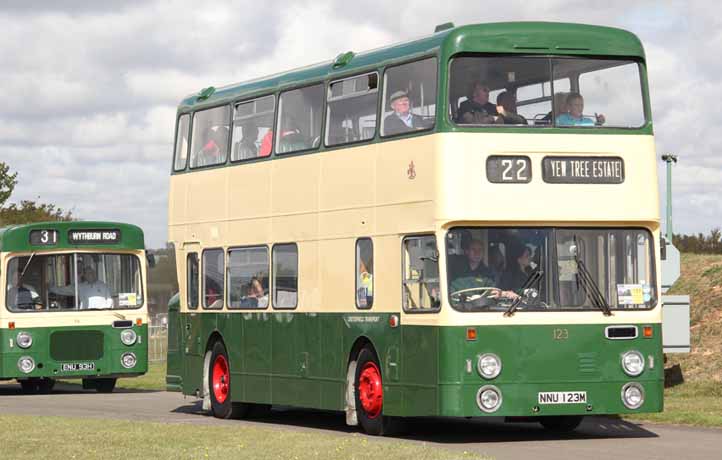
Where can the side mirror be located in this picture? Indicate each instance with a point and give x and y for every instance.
(151, 259)
(663, 248)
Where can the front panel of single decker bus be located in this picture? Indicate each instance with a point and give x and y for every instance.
(73, 302)
(548, 222)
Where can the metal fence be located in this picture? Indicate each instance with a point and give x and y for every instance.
(157, 343)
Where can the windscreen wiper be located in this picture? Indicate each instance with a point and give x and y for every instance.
(591, 288)
(25, 268)
(531, 280)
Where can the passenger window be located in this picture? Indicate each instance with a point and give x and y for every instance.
(364, 273)
(210, 137)
(300, 112)
(213, 268)
(252, 129)
(285, 276)
(420, 274)
(409, 98)
(248, 278)
(615, 92)
(181, 143)
(192, 280)
(351, 113)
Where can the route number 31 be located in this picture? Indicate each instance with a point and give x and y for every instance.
(508, 169)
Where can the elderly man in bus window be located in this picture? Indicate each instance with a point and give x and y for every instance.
(477, 109)
(402, 120)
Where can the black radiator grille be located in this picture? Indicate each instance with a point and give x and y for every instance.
(76, 345)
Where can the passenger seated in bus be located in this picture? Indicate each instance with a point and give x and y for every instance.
(246, 148)
(213, 150)
(365, 293)
(560, 107)
(472, 273)
(477, 109)
(506, 107)
(256, 294)
(21, 295)
(519, 267)
(402, 120)
(575, 117)
(291, 138)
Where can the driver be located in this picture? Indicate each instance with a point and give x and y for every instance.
(22, 295)
(473, 273)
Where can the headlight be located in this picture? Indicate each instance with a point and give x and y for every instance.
(26, 364)
(488, 398)
(128, 337)
(24, 339)
(633, 395)
(128, 360)
(633, 363)
(488, 365)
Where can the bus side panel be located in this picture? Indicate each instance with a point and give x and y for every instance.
(174, 370)
(331, 369)
(257, 352)
(196, 328)
(420, 369)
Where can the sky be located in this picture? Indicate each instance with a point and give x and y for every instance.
(91, 88)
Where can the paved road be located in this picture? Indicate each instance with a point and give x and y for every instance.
(598, 437)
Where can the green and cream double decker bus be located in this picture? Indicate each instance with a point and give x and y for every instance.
(462, 225)
(73, 304)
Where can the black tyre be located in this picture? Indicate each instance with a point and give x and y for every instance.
(369, 392)
(561, 423)
(29, 387)
(105, 385)
(219, 380)
(45, 386)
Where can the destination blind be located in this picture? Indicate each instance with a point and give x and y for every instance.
(100, 236)
(583, 170)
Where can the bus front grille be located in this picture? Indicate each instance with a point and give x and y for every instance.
(76, 345)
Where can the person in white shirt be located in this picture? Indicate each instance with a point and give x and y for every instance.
(92, 294)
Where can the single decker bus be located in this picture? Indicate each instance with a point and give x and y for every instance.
(73, 304)
(462, 225)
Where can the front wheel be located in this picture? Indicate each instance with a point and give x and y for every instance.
(370, 394)
(562, 423)
(45, 386)
(220, 385)
(29, 386)
(105, 385)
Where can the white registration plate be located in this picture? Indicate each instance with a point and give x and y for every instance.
(562, 397)
(74, 367)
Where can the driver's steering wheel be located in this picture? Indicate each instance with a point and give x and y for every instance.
(484, 292)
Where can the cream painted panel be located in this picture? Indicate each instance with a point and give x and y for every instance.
(405, 218)
(346, 223)
(207, 195)
(295, 186)
(348, 179)
(336, 265)
(387, 273)
(287, 229)
(249, 191)
(405, 171)
(248, 232)
(309, 285)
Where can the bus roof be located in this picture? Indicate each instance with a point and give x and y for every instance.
(17, 238)
(547, 38)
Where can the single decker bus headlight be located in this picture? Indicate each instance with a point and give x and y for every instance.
(26, 364)
(24, 339)
(128, 360)
(128, 337)
(488, 398)
(633, 363)
(633, 395)
(488, 365)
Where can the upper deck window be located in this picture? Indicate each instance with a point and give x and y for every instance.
(409, 98)
(252, 129)
(543, 92)
(210, 137)
(181, 143)
(351, 109)
(300, 114)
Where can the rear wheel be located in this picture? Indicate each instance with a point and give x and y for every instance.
(105, 385)
(562, 423)
(370, 394)
(220, 385)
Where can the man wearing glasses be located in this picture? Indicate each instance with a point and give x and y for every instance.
(477, 109)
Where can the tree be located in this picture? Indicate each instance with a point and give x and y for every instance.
(7, 183)
(29, 211)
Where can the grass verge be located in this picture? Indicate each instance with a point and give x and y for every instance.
(692, 403)
(44, 437)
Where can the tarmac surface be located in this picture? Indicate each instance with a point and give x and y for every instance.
(597, 437)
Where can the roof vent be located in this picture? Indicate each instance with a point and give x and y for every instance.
(443, 27)
(343, 59)
(205, 93)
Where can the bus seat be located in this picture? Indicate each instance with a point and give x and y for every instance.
(292, 143)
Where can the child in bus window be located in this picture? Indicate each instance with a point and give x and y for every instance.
(575, 116)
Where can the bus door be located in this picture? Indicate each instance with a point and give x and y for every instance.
(192, 348)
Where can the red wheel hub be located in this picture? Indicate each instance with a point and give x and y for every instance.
(370, 390)
(220, 379)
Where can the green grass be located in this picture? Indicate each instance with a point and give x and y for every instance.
(74, 438)
(692, 403)
(153, 380)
